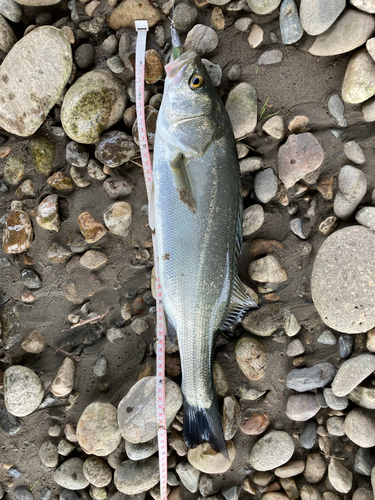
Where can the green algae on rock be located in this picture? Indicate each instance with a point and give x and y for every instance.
(14, 169)
(27, 94)
(42, 150)
(95, 102)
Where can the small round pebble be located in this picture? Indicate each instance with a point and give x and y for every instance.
(335, 426)
(327, 338)
(84, 55)
(354, 152)
(31, 279)
(48, 454)
(295, 348)
(271, 451)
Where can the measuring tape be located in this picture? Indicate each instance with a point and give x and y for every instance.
(142, 28)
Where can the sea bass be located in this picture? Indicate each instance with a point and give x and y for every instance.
(196, 211)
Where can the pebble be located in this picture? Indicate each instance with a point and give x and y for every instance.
(234, 72)
(45, 493)
(363, 494)
(231, 417)
(97, 472)
(273, 56)
(26, 190)
(91, 229)
(301, 407)
(263, 7)
(368, 110)
(255, 37)
(250, 165)
(100, 369)
(76, 154)
(243, 24)
(318, 15)
(298, 125)
(136, 415)
(48, 454)
(291, 325)
(14, 169)
(110, 45)
(128, 11)
(220, 380)
(17, 232)
(271, 451)
(68, 495)
(151, 116)
(189, 476)
(253, 218)
(63, 383)
(115, 148)
(58, 254)
(95, 170)
(84, 56)
(114, 334)
(275, 127)
(364, 461)
(207, 486)
(19, 114)
(363, 396)
(118, 218)
(352, 372)
(23, 493)
(308, 436)
(336, 108)
(23, 390)
(54, 430)
(241, 107)
(335, 426)
(9, 424)
(93, 259)
(84, 117)
(299, 156)
(360, 428)
(366, 217)
(315, 468)
(265, 185)
(327, 338)
(60, 181)
(354, 152)
(290, 469)
(306, 379)
(328, 225)
(140, 451)
(184, 16)
(290, 24)
(296, 227)
(34, 342)
(201, 39)
(214, 71)
(256, 424)
(340, 287)
(117, 188)
(47, 215)
(266, 270)
(139, 326)
(350, 31)
(115, 64)
(205, 459)
(78, 178)
(335, 402)
(11, 10)
(70, 475)
(133, 478)
(64, 447)
(359, 79)
(263, 322)
(7, 36)
(31, 279)
(251, 357)
(346, 345)
(295, 348)
(339, 476)
(78, 244)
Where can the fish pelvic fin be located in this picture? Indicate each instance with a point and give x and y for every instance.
(240, 304)
(204, 424)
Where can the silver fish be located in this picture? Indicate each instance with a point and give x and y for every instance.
(196, 211)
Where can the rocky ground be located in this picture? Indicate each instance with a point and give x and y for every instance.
(77, 361)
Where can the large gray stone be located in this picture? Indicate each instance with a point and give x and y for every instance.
(242, 110)
(319, 15)
(360, 428)
(352, 186)
(341, 282)
(70, 475)
(350, 31)
(359, 79)
(271, 451)
(306, 379)
(23, 390)
(33, 77)
(352, 373)
(290, 24)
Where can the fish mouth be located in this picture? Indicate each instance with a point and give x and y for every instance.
(174, 68)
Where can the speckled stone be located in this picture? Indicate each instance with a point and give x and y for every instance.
(340, 284)
(363, 396)
(97, 472)
(251, 357)
(290, 24)
(352, 372)
(202, 39)
(47, 215)
(207, 460)
(301, 407)
(306, 379)
(360, 428)
(133, 478)
(140, 451)
(23, 390)
(359, 79)
(271, 451)
(318, 15)
(18, 232)
(70, 475)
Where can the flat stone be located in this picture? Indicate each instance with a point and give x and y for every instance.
(271, 451)
(115, 148)
(352, 186)
(125, 15)
(308, 436)
(250, 164)
(97, 429)
(253, 218)
(256, 424)
(260, 246)
(136, 411)
(339, 476)
(251, 357)
(366, 5)
(118, 218)
(352, 372)
(133, 478)
(263, 322)
(140, 451)
(299, 156)
(273, 56)
(266, 270)
(360, 428)
(290, 24)
(308, 492)
(92, 259)
(306, 379)
(350, 31)
(263, 7)
(318, 15)
(265, 185)
(366, 217)
(275, 127)
(117, 188)
(91, 229)
(70, 475)
(290, 469)
(207, 460)
(335, 426)
(359, 79)
(201, 39)
(354, 152)
(94, 103)
(48, 454)
(58, 254)
(340, 285)
(301, 407)
(335, 402)
(327, 338)
(241, 107)
(231, 417)
(23, 390)
(47, 215)
(33, 94)
(188, 475)
(363, 396)
(336, 106)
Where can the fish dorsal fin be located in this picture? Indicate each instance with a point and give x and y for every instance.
(239, 305)
(151, 207)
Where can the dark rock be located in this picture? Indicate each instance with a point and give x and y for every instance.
(84, 55)
(9, 424)
(308, 436)
(346, 344)
(364, 461)
(31, 279)
(23, 493)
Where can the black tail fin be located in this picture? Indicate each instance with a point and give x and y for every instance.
(204, 424)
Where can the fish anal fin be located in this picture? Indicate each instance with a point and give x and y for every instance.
(181, 181)
(239, 305)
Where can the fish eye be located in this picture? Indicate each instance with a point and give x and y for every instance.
(196, 82)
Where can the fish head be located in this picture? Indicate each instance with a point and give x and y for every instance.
(190, 111)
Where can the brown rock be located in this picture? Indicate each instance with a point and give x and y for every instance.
(256, 424)
(139, 306)
(260, 246)
(251, 357)
(300, 155)
(325, 187)
(91, 229)
(129, 10)
(73, 296)
(70, 433)
(298, 125)
(28, 297)
(263, 478)
(35, 342)
(315, 468)
(290, 487)
(154, 67)
(47, 215)
(217, 20)
(18, 232)
(173, 366)
(207, 460)
(270, 488)
(60, 181)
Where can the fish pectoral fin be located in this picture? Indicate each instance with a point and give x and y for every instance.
(170, 328)
(151, 207)
(239, 305)
(181, 181)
